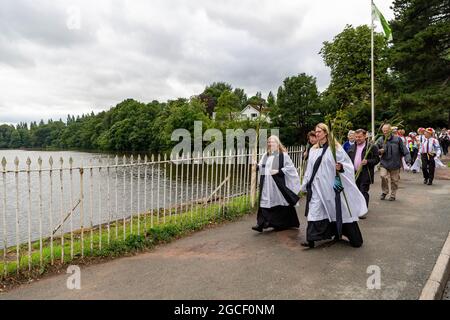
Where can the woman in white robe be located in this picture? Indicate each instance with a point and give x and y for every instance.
(324, 192)
(279, 188)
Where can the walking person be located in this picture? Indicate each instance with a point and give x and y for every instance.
(365, 165)
(429, 151)
(279, 188)
(412, 146)
(312, 140)
(401, 135)
(444, 141)
(326, 206)
(391, 150)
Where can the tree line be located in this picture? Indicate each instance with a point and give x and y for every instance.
(412, 82)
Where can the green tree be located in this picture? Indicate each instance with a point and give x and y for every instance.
(297, 102)
(228, 107)
(210, 96)
(421, 61)
(181, 114)
(271, 102)
(242, 96)
(257, 101)
(5, 135)
(348, 57)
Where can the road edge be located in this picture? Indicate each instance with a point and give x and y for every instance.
(436, 283)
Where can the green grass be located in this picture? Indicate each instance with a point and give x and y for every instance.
(124, 241)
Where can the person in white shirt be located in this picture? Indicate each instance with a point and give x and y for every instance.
(429, 150)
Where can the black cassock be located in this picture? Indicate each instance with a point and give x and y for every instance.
(280, 216)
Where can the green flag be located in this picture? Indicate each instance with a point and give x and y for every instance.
(376, 14)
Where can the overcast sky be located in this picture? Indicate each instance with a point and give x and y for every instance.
(60, 57)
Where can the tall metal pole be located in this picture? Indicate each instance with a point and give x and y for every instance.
(372, 71)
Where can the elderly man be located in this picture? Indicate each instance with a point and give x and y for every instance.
(391, 150)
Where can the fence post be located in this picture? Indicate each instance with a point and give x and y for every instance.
(29, 211)
(40, 212)
(139, 194)
(61, 199)
(82, 208)
(5, 242)
(253, 177)
(50, 162)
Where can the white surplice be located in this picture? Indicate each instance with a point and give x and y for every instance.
(322, 205)
(271, 196)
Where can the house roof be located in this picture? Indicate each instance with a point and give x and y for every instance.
(249, 107)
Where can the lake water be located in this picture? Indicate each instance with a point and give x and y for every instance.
(107, 196)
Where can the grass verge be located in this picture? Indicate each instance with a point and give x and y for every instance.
(118, 239)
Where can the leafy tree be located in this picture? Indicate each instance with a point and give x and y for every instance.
(297, 102)
(257, 101)
(271, 102)
(348, 57)
(421, 61)
(210, 96)
(228, 106)
(242, 96)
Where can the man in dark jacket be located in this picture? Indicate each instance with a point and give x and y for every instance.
(391, 149)
(364, 166)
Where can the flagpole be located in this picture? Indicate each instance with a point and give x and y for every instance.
(372, 71)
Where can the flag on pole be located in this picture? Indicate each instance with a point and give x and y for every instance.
(376, 14)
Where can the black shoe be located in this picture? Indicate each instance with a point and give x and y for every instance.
(309, 244)
(392, 198)
(414, 171)
(258, 228)
(425, 181)
(383, 196)
(430, 182)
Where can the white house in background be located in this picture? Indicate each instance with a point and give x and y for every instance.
(251, 113)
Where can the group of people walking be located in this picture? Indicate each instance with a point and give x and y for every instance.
(337, 179)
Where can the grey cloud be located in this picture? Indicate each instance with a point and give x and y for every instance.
(11, 55)
(155, 49)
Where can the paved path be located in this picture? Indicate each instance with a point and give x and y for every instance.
(231, 261)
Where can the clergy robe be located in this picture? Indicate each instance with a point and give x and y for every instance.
(278, 193)
(321, 209)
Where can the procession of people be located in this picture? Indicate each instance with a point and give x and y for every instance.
(337, 178)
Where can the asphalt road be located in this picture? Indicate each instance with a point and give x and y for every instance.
(402, 238)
